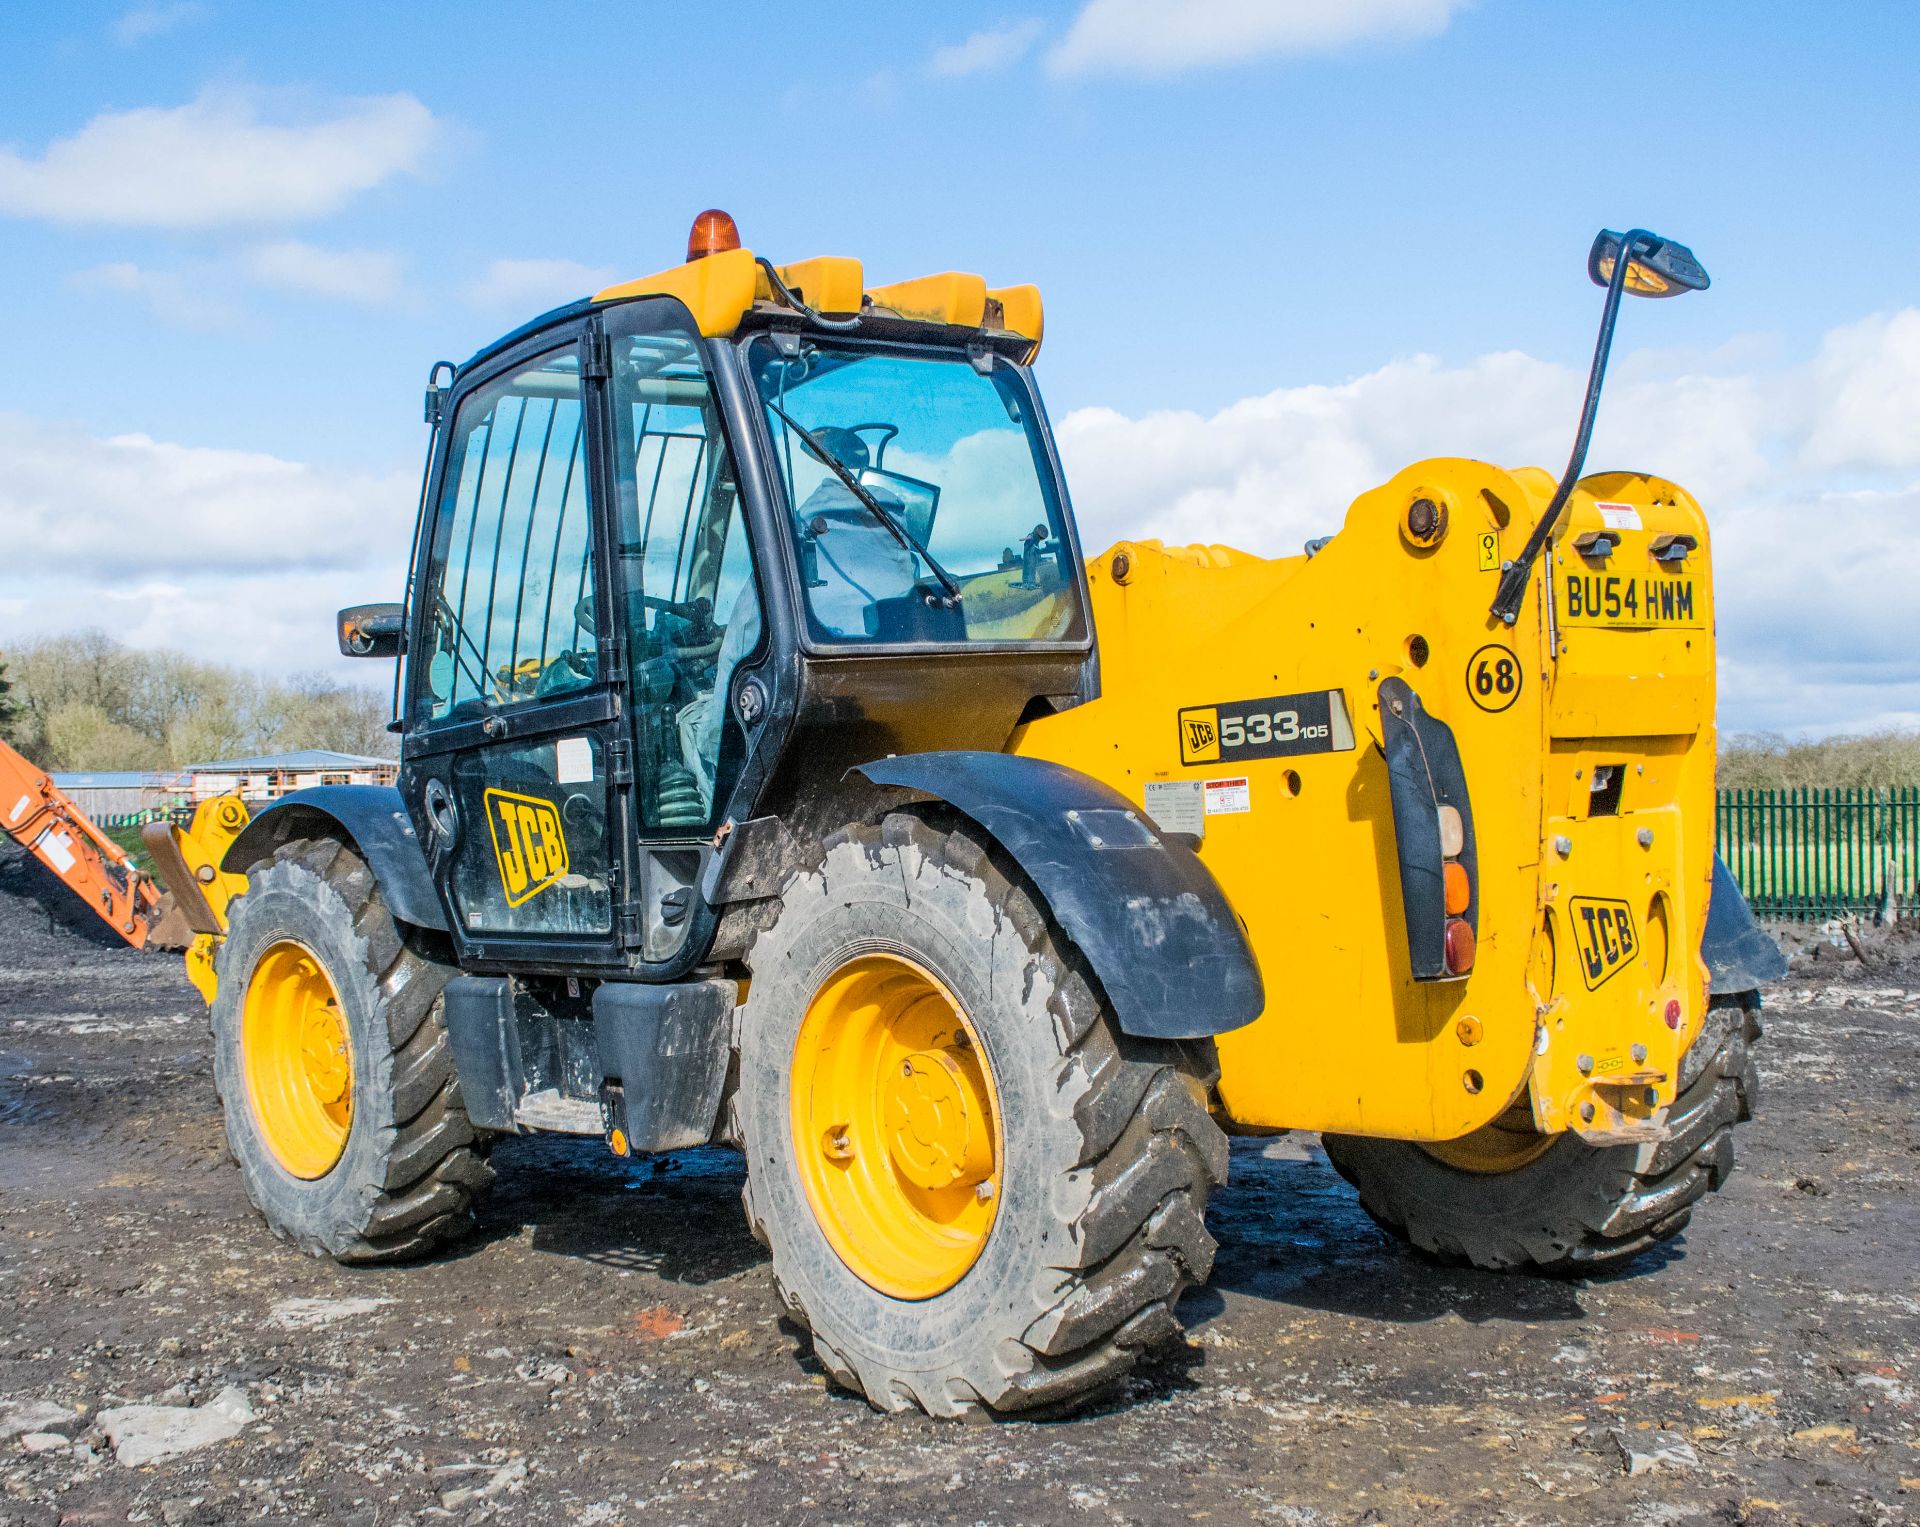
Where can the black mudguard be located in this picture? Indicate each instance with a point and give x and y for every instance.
(373, 818)
(1739, 955)
(1423, 774)
(1146, 913)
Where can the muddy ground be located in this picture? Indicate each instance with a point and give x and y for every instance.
(606, 1349)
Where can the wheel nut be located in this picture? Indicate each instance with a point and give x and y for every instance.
(1639, 1054)
(1586, 1113)
(1563, 846)
(1585, 1063)
(983, 1190)
(1644, 837)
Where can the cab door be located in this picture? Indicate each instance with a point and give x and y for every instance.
(689, 613)
(512, 748)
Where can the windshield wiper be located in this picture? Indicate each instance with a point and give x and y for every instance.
(873, 506)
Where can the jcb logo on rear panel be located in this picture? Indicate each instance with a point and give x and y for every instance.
(528, 844)
(1604, 934)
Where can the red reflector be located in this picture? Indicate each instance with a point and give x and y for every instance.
(1459, 889)
(1459, 947)
(1673, 1013)
(713, 233)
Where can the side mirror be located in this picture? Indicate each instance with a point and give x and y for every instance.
(1656, 267)
(371, 630)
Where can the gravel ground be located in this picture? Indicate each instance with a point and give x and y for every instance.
(606, 1349)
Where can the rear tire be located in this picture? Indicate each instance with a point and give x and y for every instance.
(1106, 1149)
(404, 1177)
(1575, 1207)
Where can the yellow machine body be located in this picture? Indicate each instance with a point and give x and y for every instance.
(188, 860)
(1592, 889)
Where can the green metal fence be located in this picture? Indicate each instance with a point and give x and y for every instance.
(1815, 854)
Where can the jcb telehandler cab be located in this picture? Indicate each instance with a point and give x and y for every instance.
(763, 782)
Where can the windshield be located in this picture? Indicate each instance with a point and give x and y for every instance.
(953, 458)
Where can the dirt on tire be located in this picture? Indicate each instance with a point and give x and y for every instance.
(1109, 1150)
(413, 1164)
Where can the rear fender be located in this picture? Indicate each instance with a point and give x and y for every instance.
(1739, 955)
(1149, 917)
(373, 820)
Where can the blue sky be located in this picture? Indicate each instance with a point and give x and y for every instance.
(243, 231)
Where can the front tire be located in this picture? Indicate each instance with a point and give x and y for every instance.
(1565, 1206)
(1034, 1180)
(334, 1068)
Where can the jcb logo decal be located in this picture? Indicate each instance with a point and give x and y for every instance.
(1199, 735)
(1604, 934)
(528, 844)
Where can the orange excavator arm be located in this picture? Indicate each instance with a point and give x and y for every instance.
(38, 814)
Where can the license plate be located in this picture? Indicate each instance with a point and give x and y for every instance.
(1626, 599)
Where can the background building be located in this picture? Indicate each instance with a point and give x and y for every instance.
(265, 778)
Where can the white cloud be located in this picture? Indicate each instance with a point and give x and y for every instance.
(234, 555)
(169, 296)
(145, 21)
(1166, 37)
(368, 276)
(532, 284)
(997, 47)
(1814, 582)
(215, 162)
(1867, 381)
(129, 506)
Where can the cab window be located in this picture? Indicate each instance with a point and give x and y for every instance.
(919, 494)
(509, 584)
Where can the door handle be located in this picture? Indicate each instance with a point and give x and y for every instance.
(443, 816)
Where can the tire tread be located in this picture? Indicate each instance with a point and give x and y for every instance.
(1653, 1204)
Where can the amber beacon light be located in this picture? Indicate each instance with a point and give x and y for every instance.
(713, 233)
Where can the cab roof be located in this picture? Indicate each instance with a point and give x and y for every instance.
(724, 289)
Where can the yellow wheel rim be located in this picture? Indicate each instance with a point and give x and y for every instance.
(298, 1061)
(896, 1126)
(1507, 1144)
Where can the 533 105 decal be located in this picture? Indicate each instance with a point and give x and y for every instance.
(1276, 726)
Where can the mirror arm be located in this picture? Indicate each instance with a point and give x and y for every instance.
(1515, 576)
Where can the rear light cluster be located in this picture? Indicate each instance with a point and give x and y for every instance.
(1458, 890)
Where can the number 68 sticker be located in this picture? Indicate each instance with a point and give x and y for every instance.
(1493, 677)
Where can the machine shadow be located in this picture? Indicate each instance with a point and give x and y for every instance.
(1291, 1231)
(675, 1217)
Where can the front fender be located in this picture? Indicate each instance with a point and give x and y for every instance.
(373, 819)
(1147, 914)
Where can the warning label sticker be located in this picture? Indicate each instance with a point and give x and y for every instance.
(1224, 796)
(1176, 805)
(572, 761)
(1619, 516)
(56, 848)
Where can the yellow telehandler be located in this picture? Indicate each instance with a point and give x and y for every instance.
(778, 771)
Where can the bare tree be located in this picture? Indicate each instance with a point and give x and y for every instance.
(87, 702)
